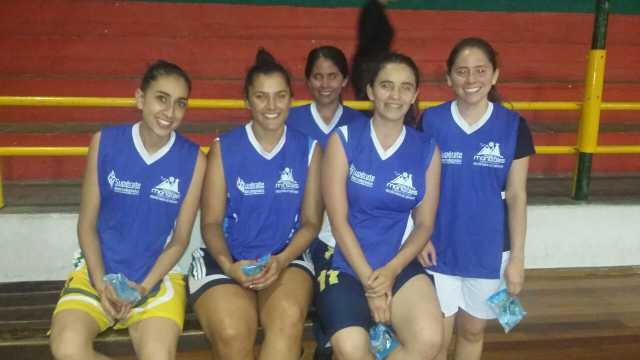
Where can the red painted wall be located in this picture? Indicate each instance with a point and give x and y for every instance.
(100, 48)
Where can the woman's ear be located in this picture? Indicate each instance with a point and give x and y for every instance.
(139, 94)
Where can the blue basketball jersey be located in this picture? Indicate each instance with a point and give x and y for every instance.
(470, 228)
(307, 120)
(140, 197)
(383, 187)
(264, 190)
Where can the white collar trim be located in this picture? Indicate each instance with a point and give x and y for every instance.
(144, 154)
(385, 154)
(326, 128)
(256, 144)
(468, 129)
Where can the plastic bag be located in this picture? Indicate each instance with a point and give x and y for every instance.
(382, 341)
(120, 284)
(508, 309)
(254, 269)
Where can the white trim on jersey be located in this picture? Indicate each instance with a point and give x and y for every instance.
(326, 128)
(468, 129)
(385, 154)
(408, 229)
(256, 144)
(150, 158)
(345, 131)
(311, 148)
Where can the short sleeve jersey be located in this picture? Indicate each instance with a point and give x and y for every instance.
(140, 197)
(471, 225)
(383, 187)
(264, 190)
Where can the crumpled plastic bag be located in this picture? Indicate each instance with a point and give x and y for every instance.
(254, 269)
(120, 284)
(382, 341)
(508, 309)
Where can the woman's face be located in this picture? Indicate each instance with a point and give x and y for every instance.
(163, 104)
(326, 82)
(472, 76)
(393, 92)
(269, 100)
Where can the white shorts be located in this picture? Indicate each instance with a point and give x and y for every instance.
(468, 294)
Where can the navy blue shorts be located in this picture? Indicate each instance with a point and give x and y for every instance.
(205, 272)
(342, 303)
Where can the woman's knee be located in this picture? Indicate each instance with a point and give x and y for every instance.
(65, 345)
(351, 343)
(470, 329)
(288, 318)
(157, 351)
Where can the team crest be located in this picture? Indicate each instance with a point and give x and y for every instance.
(402, 185)
(489, 155)
(287, 184)
(167, 191)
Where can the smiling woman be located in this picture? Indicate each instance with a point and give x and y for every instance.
(380, 182)
(261, 200)
(139, 200)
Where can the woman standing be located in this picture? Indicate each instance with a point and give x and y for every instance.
(380, 182)
(481, 223)
(261, 196)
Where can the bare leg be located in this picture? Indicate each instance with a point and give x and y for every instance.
(417, 320)
(448, 333)
(283, 311)
(155, 338)
(228, 316)
(72, 334)
(351, 343)
(469, 336)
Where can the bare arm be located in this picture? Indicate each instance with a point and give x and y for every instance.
(334, 192)
(182, 232)
(516, 198)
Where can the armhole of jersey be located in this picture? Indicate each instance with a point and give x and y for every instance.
(312, 147)
(343, 135)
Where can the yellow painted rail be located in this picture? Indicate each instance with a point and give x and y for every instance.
(59, 101)
(117, 102)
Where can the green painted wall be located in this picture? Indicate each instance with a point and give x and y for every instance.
(580, 6)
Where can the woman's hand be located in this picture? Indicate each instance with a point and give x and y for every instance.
(111, 303)
(514, 275)
(235, 272)
(380, 281)
(427, 256)
(380, 307)
(269, 274)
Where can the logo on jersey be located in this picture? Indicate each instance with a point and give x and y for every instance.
(167, 190)
(489, 156)
(451, 157)
(287, 184)
(123, 186)
(361, 177)
(251, 188)
(402, 186)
